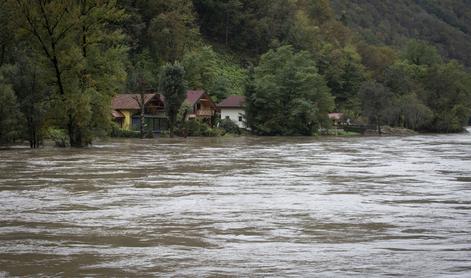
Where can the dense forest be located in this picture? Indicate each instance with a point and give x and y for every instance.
(397, 62)
(446, 24)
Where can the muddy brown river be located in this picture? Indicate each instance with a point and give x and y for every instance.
(391, 206)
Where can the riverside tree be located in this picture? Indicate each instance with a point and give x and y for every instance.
(10, 120)
(289, 96)
(448, 94)
(83, 52)
(172, 86)
(33, 95)
(375, 100)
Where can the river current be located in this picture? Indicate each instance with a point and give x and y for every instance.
(248, 206)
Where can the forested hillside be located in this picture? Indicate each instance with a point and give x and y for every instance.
(446, 24)
(378, 62)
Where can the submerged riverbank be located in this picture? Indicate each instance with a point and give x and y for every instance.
(333, 133)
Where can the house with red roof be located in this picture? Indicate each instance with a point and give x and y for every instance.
(201, 106)
(126, 111)
(232, 108)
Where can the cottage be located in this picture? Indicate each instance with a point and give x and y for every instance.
(201, 106)
(336, 118)
(126, 111)
(233, 108)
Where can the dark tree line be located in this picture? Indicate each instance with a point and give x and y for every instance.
(61, 62)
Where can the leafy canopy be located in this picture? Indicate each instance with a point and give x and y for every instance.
(289, 96)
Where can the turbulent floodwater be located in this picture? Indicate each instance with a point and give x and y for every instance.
(240, 207)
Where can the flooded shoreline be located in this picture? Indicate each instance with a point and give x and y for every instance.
(242, 206)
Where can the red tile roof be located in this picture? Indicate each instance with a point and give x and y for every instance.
(232, 102)
(129, 101)
(193, 96)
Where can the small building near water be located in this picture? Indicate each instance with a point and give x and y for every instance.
(126, 112)
(336, 118)
(201, 106)
(233, 108)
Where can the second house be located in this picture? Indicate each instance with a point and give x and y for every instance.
(126, 110)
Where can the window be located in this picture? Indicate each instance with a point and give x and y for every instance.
(198, 106)
(228, 118)
(136, 122)
(240, 118)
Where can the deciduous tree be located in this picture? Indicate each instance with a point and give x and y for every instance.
(84, 53)
(290, 96)
(172, 86)
(375, 99)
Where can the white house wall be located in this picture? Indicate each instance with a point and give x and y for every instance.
(233, 114)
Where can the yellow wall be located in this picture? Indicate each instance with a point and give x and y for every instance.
(127, 122)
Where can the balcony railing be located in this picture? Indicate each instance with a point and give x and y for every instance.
(205, 112)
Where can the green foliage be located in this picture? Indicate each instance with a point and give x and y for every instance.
(196, 128)
(377, 59)
(229, 126)
(412, 113)
(448, 95)
(160, 29)
(444, 24)
(289, 96)
(7, 34)
(429, 95)
(142, 73)
(403, 78)
(59, 136)
(28, 81)
(183, 112)
(10, 115)
(421, 53)
(344, 74)
(172, 30)
(245, 26)
(375, 100)
(172, 87)
(83, 56)
(217, 74)
(69, 58)
(118, 132)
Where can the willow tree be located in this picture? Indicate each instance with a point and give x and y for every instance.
(83, 52)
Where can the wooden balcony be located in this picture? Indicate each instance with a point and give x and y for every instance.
(204, 112)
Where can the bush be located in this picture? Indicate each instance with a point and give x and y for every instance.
(229, 126)
(118, 132)
(59, 136)
(164, 134)
(197, 128)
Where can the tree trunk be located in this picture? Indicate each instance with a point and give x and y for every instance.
(142, 105)
(75, 134)
(378, 124)
(171, 126)
(33, 136)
